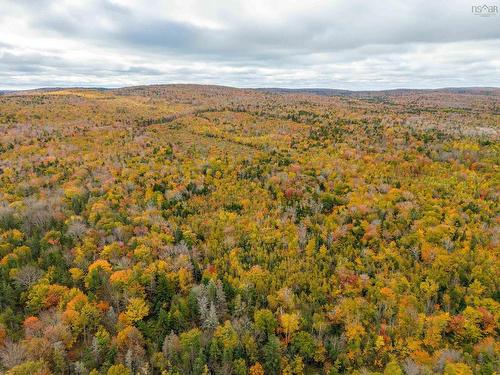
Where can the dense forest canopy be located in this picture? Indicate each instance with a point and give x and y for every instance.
(208, 230)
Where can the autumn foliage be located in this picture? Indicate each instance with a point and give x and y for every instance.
(206, 230)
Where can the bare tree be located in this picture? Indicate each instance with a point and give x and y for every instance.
(211, 321)
(171, 347)
(410, 367)
(27, 276)
(12, 354)
(447, 355)
(77, 230)
(7, 218)
(37, 215)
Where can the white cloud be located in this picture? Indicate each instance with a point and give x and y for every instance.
(320, 43)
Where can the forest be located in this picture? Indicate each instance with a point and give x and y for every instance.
(186, 229)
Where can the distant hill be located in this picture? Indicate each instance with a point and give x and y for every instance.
(378, 93)
(148, 89)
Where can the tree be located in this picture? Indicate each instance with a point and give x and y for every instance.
(30, 368)
(256, 369)
(265, 322)
(129, 342)
(289, 324)
(271, 353)
(240, 367)
(457, 369)
(223, 345)
(171, 347)
(211, 320)
(392, 368)
(303, 345)
(137, 309)
(191, 349)
(119, 370)
(27, 276)
(12, 354)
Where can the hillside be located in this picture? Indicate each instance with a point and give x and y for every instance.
(187, 229)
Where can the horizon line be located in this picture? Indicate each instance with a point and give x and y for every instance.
(290, 88)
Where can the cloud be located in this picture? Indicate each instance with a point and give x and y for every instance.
(346, 44)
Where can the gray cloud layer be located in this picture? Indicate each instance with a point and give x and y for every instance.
(310, 43)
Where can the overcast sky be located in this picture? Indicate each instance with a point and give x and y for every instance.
(265, 43)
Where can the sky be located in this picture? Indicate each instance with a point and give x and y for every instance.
(345, 44)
